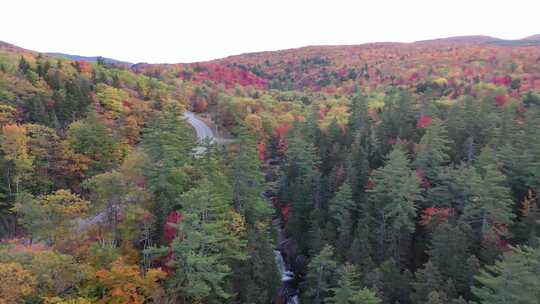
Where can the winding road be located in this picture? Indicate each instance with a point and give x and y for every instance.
(201, 128)
(203, 133)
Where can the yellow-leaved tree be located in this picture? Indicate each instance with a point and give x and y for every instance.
(15, 283)
(49, 217)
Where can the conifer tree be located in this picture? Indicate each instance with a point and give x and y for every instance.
(168, 145)
(393, 199)
(365, 296)
(299, 186)
(358, 121)
(347, 285)
(433, 154)
(348, 289)
(514, 279)
(489, 202)
(397, 121)
(209, 243)
(427, 280)
(449, 253)
(320, 277)
(247, 180)
(257, 278)
(341, 208)
(360, 250)
(393, 283)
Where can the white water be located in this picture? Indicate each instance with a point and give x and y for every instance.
(293, 300)
(286, 275)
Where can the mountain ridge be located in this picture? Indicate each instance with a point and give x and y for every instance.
(88, 58)
(532, 40)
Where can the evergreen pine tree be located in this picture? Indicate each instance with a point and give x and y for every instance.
(348, 289)
(210, 243)
(489, 202)
(247, 180)
(514, 279)
(168, 144)
(341, 209)
(427, 280)
(433, 154)
(449, 252)
(347, 286)
(365, 296)
(393, 199)
(299, 187)
(320, 277)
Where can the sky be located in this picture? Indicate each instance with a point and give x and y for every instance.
(159, 31)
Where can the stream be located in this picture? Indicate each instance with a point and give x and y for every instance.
(287, 276)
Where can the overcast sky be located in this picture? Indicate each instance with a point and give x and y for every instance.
(196, 30)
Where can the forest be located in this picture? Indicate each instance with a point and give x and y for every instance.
(370, 174)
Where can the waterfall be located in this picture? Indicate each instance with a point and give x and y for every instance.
(286, 275)
(293, 300)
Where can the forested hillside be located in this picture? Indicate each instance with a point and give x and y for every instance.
(381, 173)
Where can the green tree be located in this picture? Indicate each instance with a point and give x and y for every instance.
(347, 285)
(514, 279)
(392, 282)
(433, 154)
(299, 186)
(488, 202)
(247, 180)
(168, 144)
(341, 209)
(398, 120)
(209, 244)
(365, 296)
(320, 277)
(359, 119)
(258, 277)
(51, 217)
(436, 297)
(427, 280)
(360, 250)
(109, 192)
(393, 200)
(348, 290)
(24, 66)
(91, 138)
(449, 252)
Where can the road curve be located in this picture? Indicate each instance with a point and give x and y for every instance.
(201, 128)
(203, 133)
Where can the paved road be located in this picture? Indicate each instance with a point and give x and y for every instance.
(203, 133)
(201, 128)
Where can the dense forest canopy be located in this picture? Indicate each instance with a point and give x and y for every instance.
(381, 173)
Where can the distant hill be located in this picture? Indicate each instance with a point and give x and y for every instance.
(474, 39)
(8, 47)
(520, 42)
(479, 39)
(533, 37)
(89, 58)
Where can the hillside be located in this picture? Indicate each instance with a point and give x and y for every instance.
(458, 60)
(89, 58)
(478, 39)
(533, 37)
(377, 173)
